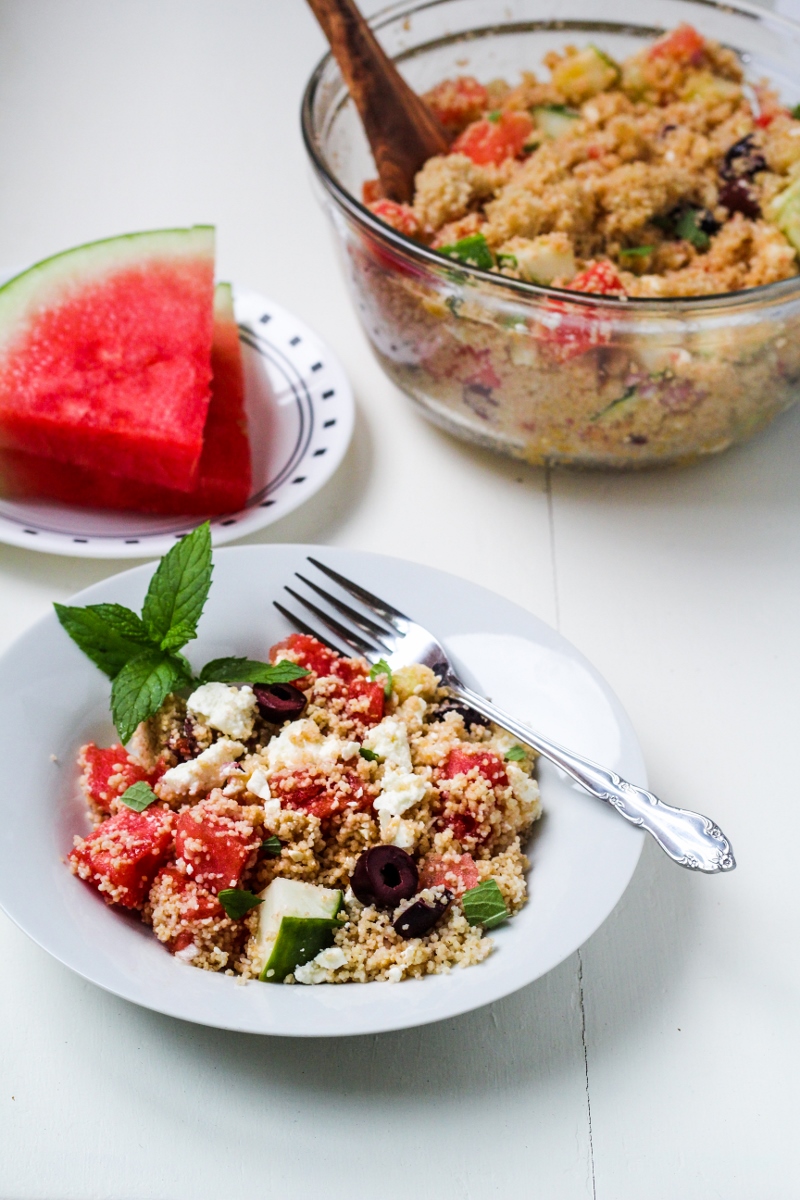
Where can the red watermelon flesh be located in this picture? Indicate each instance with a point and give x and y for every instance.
(105, 356)
(225, 472)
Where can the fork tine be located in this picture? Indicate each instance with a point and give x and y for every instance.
(370, 628)
(383, 609)
(353, 640)
(300, 624)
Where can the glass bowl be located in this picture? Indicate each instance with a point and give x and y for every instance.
(545, 375)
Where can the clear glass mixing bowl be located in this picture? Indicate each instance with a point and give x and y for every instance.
(662, 381)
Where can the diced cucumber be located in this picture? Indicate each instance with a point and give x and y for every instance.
(553, 120)
(295, 922)
(583, 75)
(784, 211)
(704, 85)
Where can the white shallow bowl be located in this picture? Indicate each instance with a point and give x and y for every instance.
(52, 699)
(300, 412)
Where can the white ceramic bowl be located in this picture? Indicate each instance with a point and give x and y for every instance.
(52, 699)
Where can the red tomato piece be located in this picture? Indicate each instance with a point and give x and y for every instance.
(570, 331)
(456, 102)
(122, 856)
(366, 701)
(399, 216)
(320, 795)
(458, 873)
(494, 141)
(683, 43)
(349, 669)
(216, 842)
(461, 761)
(110, 771)
(306, 652)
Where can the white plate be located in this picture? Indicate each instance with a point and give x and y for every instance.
(300, 411)
(52, 699)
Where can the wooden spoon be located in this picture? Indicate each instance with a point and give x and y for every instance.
(402, 131)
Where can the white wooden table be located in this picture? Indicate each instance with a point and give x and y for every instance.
(659, 1062)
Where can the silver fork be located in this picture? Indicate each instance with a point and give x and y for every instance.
(690, 839)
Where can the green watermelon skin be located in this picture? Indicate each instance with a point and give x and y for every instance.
(105, 354)
(225, 474)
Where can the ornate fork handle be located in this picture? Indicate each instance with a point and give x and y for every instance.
(690, 839)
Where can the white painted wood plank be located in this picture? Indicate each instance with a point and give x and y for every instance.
(683, 588)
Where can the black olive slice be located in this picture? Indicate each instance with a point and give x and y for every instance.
(471, 717)
(279, 702)
(384, 876)
(421, 916)
(743, 160)
(738, 196)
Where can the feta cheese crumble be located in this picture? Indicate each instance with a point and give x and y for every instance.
(229, 710)
(200, 775)
(400, 787)
(316, 970)
(301, 745)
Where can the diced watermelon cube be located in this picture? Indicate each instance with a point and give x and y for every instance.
(461, 761)
(306, 652)
(493, 141)
(105, 356)
(181, 909)
(399, 216)
(366, 700)
(121, 858)
(109, 771)
(457, 102)
(217, 842)
(320, 795)
(683, 43)
(458, 873)
(600, 279)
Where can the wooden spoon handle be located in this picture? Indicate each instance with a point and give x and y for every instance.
(402, 131)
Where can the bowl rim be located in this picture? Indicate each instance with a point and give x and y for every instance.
(760, 296)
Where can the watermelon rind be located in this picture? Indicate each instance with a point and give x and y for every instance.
(44, 284)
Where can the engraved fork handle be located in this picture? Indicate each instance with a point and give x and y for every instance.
(690, 839)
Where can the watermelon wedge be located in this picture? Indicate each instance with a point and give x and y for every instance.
(224, 479)
(105, 356)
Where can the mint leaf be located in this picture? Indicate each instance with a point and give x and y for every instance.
(382, 668)
(473, 249)
(237, 902)
(493, 116)
(369, 755)
(141, 687)
(636, 251)
(688, 227)
(515, 754)
(484, 905)
(508, 260)
(271, 848)
(139, 796)
(108, 634)
(179, 589)
(250, 670)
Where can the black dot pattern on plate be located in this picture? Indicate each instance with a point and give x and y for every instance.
(327, 424)
(266, 503)
(299, 479)
(327, 395)
(295, 341)
(265, 317)
(33, 531)
(320, 452)
(317, 366)
(230, 521)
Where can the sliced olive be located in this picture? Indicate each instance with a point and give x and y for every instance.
(421, 916)
(738, 196)
(743, 160)
(279, 702)
(471, 717)
(384, 876)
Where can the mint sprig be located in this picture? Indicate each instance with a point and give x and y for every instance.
(142, 686)
(250, 670)
(109, 634)
(271, 848)
(484, 905)
(178, 591)
(237, 902)
(514, 754)
(139, 796)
